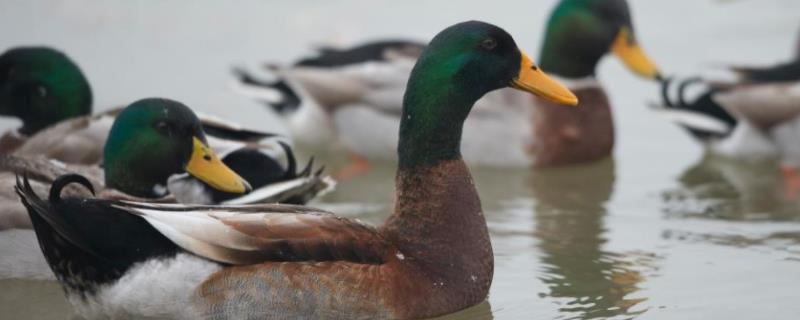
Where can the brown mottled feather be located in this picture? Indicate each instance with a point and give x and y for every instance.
(573, 135)
(312, 236)
(79, 140)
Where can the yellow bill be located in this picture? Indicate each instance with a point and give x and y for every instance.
(627, 50)
(534, 80)
(207, 167)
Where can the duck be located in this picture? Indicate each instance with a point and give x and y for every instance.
(40, 86)
(754, 118)
(52, 97)
(431, 257)
(157, 150)
(352, 97)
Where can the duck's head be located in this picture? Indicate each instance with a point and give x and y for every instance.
(460, 65)
(41, 86)
(153, 139)
(580, 32)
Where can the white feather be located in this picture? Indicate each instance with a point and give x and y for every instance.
(269, 191)
(694, 120)
(747, 143)
(160, 288)
(197, 231)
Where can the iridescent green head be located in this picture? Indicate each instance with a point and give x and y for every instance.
(580, 32)
(153, 139)
(460, 65)
(42, 86)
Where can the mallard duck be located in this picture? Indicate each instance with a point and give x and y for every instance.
(156, 148)
(49, 93)
(754, 118)
(355, 95)
(41, 87)
(431, 257)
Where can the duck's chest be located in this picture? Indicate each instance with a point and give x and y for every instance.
(570, 135)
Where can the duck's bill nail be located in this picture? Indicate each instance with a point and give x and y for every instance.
(532, 79)
(628, 50)
(207, 167)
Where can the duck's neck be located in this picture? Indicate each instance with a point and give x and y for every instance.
(132, 178)
(438, 221)
(40, 113)
(431, 124)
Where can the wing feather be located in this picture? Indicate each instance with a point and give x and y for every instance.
(260, 233)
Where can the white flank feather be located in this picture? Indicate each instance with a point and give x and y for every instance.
(695, 120)
(269, 191)
(160, 288)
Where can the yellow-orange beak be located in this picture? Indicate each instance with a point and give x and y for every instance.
(627, 50)
(534, 80)
(207, 167)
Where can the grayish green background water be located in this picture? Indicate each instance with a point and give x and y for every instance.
(657, 232)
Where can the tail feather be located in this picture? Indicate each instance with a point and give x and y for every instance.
(40, 209)
(278, 95)
(701, 116)
(291, 162)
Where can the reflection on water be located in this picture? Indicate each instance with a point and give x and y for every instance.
(585, 280)
(736, 192)
(716, 188)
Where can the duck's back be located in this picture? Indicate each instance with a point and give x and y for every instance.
(78, 141)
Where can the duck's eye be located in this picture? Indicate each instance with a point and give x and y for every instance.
(163, 127)
(488, 44)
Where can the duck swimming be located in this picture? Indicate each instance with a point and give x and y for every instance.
(357, 99)
(754, 118)
(157, 148)
(50, 94)
(431, 257)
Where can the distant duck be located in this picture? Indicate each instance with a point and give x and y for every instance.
(354, 95)
(157, 148)
(433, 255)
(48, 92)
(757, 117)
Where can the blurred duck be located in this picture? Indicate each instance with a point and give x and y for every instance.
(355, 95)
(432, 257)
(754, 118)
(157, 148)
(49, 93)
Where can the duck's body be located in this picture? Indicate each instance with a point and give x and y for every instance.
(431, 257)
(756, 118)
(360, 96)
(753, 119)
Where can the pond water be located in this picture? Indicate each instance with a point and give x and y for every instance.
(659, 231)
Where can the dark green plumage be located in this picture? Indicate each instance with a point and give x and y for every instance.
(459, 66)
(42, 86)
(149, 141)
(579, 33)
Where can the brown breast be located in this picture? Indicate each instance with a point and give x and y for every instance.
(570, 135)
